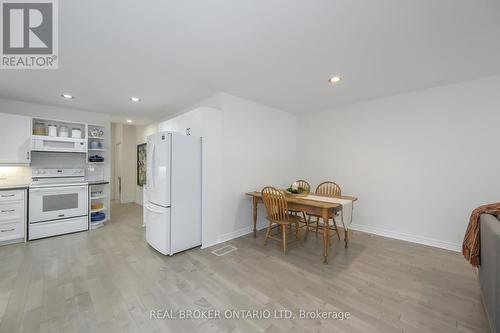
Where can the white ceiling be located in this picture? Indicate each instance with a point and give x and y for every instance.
(276, 52)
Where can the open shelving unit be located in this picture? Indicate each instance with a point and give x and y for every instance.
(49, 135)
(58, 123)
(96, 144)
(99, 189)
(96, 210)
(98, 204)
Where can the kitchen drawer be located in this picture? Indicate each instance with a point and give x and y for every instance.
(11, 209)
(11, 195)
(13, 229)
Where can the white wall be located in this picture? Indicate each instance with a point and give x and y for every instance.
(112, 145)
(129, 164)
(246, 147)
(125, 135)
(419, 162)
(258, 150)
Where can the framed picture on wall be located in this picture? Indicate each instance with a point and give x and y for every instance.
(141, 164)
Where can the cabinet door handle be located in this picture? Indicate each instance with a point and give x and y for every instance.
(28, 155)
(7, 230)
(7, 195)
(8, 210)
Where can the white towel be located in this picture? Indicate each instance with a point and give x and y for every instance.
(347, 207)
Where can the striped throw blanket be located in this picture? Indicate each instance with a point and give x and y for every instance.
(471, 245)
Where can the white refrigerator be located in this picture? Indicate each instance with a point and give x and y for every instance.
(172, 202)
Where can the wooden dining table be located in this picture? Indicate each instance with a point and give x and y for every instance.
(320, 208)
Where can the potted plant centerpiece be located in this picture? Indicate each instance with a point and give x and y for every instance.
(296, 191)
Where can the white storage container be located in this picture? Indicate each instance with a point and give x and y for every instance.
(63, 131)
(52, 130)
(76, 133)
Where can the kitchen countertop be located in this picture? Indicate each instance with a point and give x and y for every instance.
(13, 186)
(98, 182)
(20, 186)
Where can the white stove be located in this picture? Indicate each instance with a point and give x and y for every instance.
(58, 202)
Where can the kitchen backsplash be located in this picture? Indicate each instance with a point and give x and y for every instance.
(15, 175)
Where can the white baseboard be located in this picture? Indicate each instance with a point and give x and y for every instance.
(407, 237)
(234, 234)
(363, 228)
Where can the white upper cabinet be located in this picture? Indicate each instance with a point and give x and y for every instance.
(15, 139)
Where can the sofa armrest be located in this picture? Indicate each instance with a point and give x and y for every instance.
(489, 271)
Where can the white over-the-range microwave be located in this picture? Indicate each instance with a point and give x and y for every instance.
(58, 144)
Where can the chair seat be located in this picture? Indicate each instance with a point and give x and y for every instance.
(297, 212)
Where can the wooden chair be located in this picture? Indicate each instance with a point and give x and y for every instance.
(277, 213)
(305, 185)
(327, 189)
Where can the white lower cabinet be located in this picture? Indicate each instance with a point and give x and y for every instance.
(12, 216)
(12, 195)
(10, 230)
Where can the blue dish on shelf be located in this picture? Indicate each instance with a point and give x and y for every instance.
(98, 216)
(96, 158)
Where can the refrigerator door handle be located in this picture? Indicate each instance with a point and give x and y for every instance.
(151, 209)
(152, 164)
(149, 165)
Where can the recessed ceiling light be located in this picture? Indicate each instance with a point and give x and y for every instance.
(67, 96)
(135, 99)
(335, 79)
(129, 121)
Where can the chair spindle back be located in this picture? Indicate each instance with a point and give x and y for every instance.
(275, 202)
(303, 184)
(329, 189)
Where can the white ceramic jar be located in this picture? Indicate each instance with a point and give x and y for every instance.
(76, 133)
(52, 130)
(63, 131)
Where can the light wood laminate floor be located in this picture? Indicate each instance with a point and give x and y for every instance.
(109, 279)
